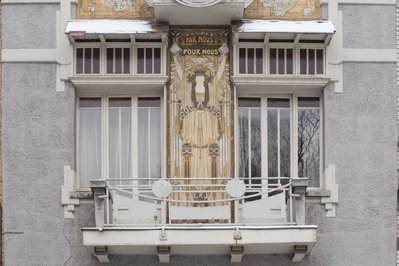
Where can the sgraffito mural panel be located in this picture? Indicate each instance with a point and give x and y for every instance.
(116, 9)
(283, 9)
(200, 114)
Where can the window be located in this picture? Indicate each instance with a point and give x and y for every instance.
(311, 61)
(87, 61)
(149, 60)
(118, 60)
(120, 138)
(250, 60)
(279, 137)
(281, 61)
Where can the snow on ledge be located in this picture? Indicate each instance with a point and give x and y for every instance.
(287, 26)
(110, 26)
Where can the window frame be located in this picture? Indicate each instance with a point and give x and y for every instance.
(105, 133)
(82, 46)
(314, 46)
(149, 45)
(133, 46)
(276, 45)
(104, 58)
(293, 97)
(249, 45)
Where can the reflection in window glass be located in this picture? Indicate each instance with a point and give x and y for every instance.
(278, 137)
(309, 139)
(250, 156)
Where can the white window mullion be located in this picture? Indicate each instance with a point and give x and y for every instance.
(153, 60)
(104, 137)
(249, 148)
(148, 144)
(278, 144)
(294, 137)
(135, 151)
(120, 143)
(264, 162)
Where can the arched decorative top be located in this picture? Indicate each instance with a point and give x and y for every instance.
(198, 3)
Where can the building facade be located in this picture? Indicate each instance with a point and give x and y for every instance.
(185, 132)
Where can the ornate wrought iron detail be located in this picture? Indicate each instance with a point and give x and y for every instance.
(213, 149)
(187, 149)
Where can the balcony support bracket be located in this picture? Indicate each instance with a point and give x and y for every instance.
(163, 254)
(101, 254)
(299, 253)
(236, 254)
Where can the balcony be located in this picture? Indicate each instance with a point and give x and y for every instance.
(173, 216)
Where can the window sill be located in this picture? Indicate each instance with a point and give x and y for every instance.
(120, 84)
(267, 84)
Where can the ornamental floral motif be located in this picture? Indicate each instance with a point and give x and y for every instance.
(120, 5)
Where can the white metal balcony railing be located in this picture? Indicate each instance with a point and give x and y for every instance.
(200, 216)
(216, 201)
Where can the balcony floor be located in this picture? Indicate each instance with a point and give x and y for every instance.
(201, 239)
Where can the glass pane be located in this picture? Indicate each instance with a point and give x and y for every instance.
(149, 102)
(290, 62)
(303, 61)
(87, 61)
(155, 142)
(120, 102)
(96, 60)
(79, 61)
(308, 101)
(273, 61)
(281, 61)
(89, 145)
(285, 143)
(272, 143)
(143, 143)
(309, 145)
(126, 133)
(140, 60)
(89, 102)
(148, 60)
(251, 60)
(242, 61)
(259, 61)
(248, 102)
(110, 60)
(320, 62)
(256, 154)
(243, 156)
(311, 62)
(157, 60)
(126, 61)
(118, 60)
(278, 103)
(114, 148)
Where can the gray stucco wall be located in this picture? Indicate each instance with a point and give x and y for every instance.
(360, 139)
(360, 31)
(38, 140)
(29, 26)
